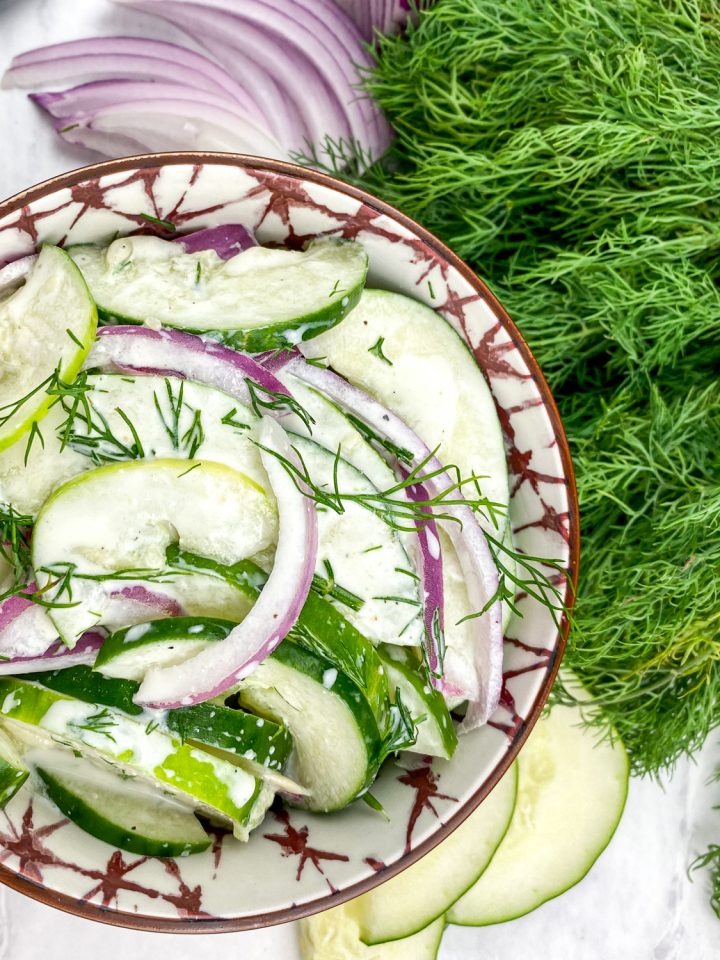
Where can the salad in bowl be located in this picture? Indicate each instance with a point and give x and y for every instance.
(267, 558)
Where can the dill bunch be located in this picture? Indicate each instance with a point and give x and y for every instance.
(570, 151)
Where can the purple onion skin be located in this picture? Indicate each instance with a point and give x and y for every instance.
(226, 240)
(56, 657)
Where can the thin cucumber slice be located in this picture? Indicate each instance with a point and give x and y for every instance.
(571, 795)
(13, 770)
(320, 628)
(123, 812)
(128, 418)
(338, 748)
(265, 744)
(121, 517)
(423, 892)
(409, 358)
(360, 552)
(258, 300)
(130, 652)
(436, 735)
(217, 788)
(335, 935)
(47, 328)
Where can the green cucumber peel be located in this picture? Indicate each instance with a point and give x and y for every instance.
(125, 814)
(13, 772)
(205, 724)
(218, 788)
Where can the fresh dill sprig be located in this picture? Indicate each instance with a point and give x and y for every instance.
(377, 351)
(711, 860)
(100, 723)
(328, 587)
(190, 441)
(262, 399)
(15, 549)
(64, 573)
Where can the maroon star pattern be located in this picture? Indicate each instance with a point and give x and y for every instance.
(293, 842)
(424, 781)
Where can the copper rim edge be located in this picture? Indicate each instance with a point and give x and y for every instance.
(82, 908)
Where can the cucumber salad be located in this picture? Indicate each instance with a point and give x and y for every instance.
(254, 533)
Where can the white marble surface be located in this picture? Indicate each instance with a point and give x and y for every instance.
(636, 904)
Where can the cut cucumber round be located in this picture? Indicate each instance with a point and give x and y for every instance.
(123, 812)
(338, 747)
(122, 517)
(423, 892)
(571, 795)
(409, 358)
(128, 418)
(335, 935)
(258, 300)
(13, 770)
(214, 787)
(46, 329)
(436, 734)
(129, 653)
(360, 553)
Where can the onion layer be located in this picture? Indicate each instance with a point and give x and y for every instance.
(56, 657)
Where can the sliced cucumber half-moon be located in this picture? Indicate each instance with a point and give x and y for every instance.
(260, 299)
(46, 329)
(124, 812)
(571, 795)
(13, 770)
(335, 935)
(121, 518)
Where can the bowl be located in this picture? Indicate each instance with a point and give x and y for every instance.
(297, 863)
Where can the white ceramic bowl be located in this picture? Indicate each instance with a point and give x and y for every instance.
(297, 863)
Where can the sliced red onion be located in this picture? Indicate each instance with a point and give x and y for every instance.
(15, 271)
(124, 58)
(56, 657)
(276, 610)
(269, 47)
(429, 561)
(107, 144)
(480, 573)
(226, 240)
(334, 44)
(190, 122)
(142, 350)
(26, 630)
(136, 604)
(99, 94)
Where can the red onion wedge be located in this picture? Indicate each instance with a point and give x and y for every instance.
(141, 350)
(190, 121)
(137, 604)
(270, 47)
(226, 240)
(56, 657)
(26, 630)
(274, 613)
(124, 58)
(479, 570)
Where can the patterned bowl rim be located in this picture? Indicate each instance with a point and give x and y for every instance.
(109, 915)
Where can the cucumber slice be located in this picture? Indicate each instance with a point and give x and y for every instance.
(423, 892)
(335, 935)
(13, 771)
(338, 748)
(436, 733)
(123, 812)
(362, 554)
(121, 517)
(320, 628)
(409, 358)
(47, 328)
(258, 300)
(130, 418)
(216, 788)
(264, 744)
(129, 653)
(571, 795)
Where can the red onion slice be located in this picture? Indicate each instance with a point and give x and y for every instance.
(56, 657)
(479, 570)
(123, 57)
(429, 562)
(26, 630)
(226, 240)
(276, 610)
(269, 48)
(143, 350)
